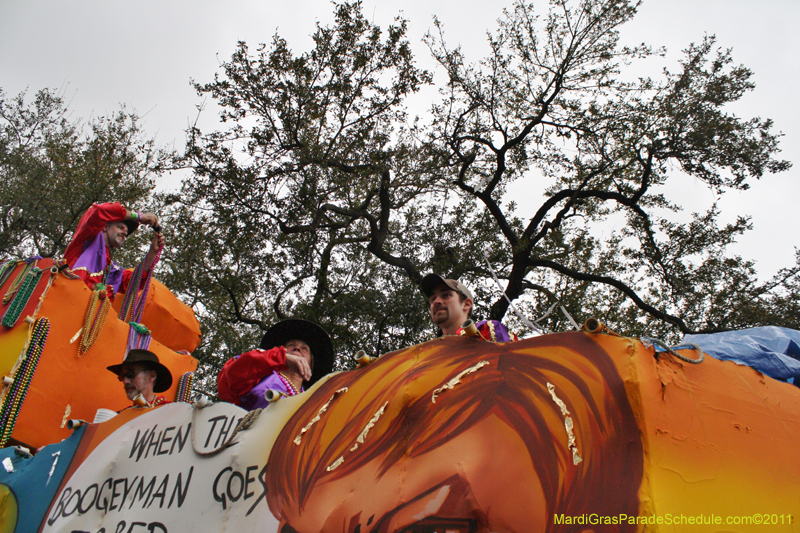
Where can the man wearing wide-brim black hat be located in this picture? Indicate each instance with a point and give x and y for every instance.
(143, 375)
(292, 352)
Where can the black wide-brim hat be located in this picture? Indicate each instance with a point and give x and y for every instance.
(132, 225)
(149, 360)
(317, 339)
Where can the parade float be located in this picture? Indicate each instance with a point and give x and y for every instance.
(577, 431)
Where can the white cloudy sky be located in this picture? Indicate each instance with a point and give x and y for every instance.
(143, 53)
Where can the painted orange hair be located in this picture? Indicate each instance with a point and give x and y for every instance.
(513, 386)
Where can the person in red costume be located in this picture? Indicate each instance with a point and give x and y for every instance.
(292, 352)
(102, 228)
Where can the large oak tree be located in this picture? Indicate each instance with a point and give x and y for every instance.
(321, 196)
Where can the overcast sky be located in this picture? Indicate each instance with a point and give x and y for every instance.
(143, 54)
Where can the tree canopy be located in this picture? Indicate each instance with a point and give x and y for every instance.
(53, 168)
(546, 173)
(322, 196)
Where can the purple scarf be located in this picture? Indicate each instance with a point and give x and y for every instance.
(93, 259)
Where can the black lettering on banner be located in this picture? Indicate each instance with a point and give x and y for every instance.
(235, 494)
(59, 508)
(213, 426)
(81, 508)
(152, 443)
(262, 478)
(152, 527)
(124, 491)
(230, 486)
(180, 440)
(75, 496)
(217, 496)
(226, 425)
(108, 482)
(177, 490)
(247, 480)
(140, 445)
(165, 440)
(140, 490)
(159, 493)
(223, 434)
(114, 493)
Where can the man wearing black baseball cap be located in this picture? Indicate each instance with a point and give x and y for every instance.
(142, 376)
(292, 352)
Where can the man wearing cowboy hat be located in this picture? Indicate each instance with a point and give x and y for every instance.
(450, 306)
(102, 228)
(292, 352)
(143, 375)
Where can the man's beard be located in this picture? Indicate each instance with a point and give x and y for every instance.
(441, 318)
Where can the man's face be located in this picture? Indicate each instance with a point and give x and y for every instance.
(115, 234)
(446, 308)
(137, 380)
(298, 347)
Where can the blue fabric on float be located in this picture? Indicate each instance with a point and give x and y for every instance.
(34, 481)
(771, 350)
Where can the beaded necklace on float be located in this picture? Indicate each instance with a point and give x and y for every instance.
(291, 390)
(22, 296)
(133, 306)
(93, 323)
(7, 269)
(15, 285)
(14, 394)
(185, 388)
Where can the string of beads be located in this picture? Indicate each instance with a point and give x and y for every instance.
(93, 325)
(289, 387)
(185, 384)
(14, 287)
(15, 393)
(20, 300)
(7, 269)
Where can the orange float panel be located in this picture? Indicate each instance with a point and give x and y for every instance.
(13, 339)
(66, 385)
(170, 321)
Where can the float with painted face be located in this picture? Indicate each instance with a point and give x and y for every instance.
(566, 432)
(575, 431)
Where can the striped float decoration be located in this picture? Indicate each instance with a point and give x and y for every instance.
(185, 388)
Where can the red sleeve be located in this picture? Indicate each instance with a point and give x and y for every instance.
(92, 222)
(242, 373)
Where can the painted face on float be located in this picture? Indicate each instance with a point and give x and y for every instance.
(460, 436)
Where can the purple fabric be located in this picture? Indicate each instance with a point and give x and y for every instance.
(93, 259)
(500, 331)
(255, 398)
